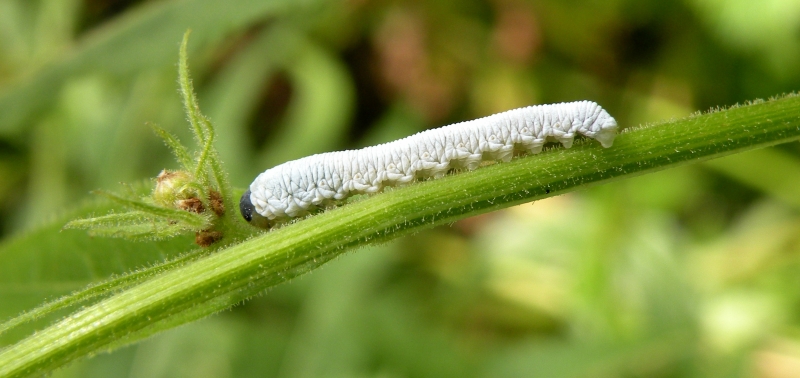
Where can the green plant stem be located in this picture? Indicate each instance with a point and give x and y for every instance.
(187, 92)
(97, 290)
(220, 280)
(207, 146)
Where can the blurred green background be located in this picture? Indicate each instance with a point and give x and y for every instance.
(691, 272)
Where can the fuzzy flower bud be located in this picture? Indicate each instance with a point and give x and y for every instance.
(172, 187)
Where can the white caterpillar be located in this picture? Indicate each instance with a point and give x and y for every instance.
(296, 187)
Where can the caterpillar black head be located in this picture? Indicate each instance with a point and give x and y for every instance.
(249, 212)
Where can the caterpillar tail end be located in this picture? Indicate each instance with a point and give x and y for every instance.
(607, 133)
(250, 214)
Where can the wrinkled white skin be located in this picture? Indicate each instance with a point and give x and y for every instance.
(293, 188)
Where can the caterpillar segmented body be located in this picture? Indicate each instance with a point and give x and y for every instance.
(294, 188)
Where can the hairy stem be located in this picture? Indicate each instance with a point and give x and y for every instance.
(220, 280)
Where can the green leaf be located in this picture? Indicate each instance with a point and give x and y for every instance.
(220, 280)
(320, 111)
(568, 360)
(134, 225)
(233, 95)
(192, 220)
(780, 181)
(140, 39)
(46, 262)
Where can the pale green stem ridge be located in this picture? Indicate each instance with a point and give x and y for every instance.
(97, 290)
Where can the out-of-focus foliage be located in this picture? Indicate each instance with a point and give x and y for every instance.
(688, 272)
